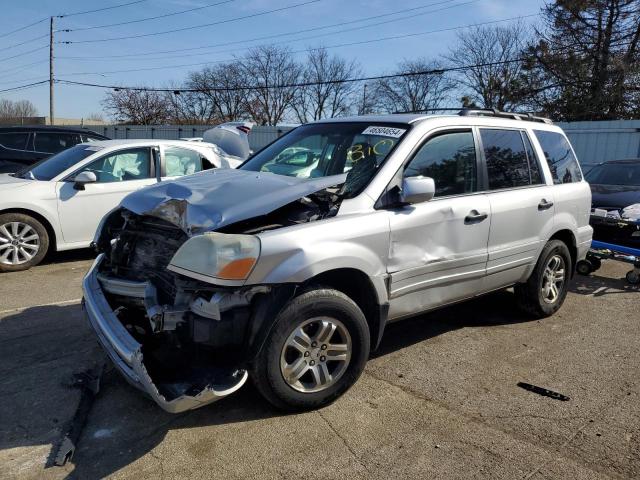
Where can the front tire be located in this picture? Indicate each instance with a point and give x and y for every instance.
(545, 290)
(23, 242)
(315, 352)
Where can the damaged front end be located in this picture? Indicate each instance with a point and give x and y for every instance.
(185, 337)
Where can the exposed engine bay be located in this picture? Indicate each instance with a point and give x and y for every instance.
(192, 333)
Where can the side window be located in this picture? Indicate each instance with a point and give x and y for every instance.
(131, 164)
(16, 141)
(534, 165)
(87, 138)
(507, 164)
(450, 159)
(54, 142)
(562, 162)
(181, 161)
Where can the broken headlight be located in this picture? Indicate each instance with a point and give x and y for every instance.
(217, 255)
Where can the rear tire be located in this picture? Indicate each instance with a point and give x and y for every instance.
(543, 293)
(23, 242)
(320, 343)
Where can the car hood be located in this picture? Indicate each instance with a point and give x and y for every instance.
(614, 196)
(212, 199)
(8, 181)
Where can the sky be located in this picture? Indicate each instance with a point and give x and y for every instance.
(99, 57)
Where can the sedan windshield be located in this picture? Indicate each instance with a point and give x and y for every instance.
(615, 174)
(53, 166)
(325, 149)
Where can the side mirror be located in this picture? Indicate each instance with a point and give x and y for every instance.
(83, 178)
(417, 190)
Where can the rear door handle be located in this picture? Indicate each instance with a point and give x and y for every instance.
(544, 204)
(475, 217)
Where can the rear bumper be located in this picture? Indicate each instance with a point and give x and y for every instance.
(585, 235)
(126, 353)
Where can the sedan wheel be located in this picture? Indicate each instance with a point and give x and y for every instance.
(24, 242)
(19, 243)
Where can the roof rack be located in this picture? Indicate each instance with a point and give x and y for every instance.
(492, 112)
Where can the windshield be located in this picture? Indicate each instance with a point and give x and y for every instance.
(325, 149)
(56, 164)
(615, 174)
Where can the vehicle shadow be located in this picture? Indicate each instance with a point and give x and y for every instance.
(69, 256)
(494, 309)
(599, 286)
(41, 347)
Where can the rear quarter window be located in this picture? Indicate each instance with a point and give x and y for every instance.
(562, 162)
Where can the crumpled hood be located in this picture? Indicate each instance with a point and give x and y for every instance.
(212, 199)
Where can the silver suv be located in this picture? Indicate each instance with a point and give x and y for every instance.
(291, 277)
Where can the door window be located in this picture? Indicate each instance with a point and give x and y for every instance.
(54, 142)
(562, 162)
(16, 141)
(124, 165)
(534, 165)
(450, 159)
(181, 161)
(507, 164)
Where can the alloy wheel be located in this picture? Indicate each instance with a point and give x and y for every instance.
(316, 354)
(553, 279)
(19, 243)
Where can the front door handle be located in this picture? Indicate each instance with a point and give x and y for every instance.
(544, 204)
(475, 217)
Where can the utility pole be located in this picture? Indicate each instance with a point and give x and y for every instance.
(364, 100)
(51, 120)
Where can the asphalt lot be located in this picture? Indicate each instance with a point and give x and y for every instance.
(439, 400)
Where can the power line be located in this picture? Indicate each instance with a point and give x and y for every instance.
(435, 71)
(307, 49)
(99, 9)
(220, 22)
(147, 18)
(23, 28)
(24, 53)
(102, 57)
(24, 43)
(6, 34)
(22, 87)
(6, 73)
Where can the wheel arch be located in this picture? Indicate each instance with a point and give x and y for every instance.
(569, 239)
(53, 239)
(358, 287)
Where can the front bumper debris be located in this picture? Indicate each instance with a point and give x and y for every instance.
(126, 353)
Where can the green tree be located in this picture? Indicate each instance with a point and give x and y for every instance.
(584, 64)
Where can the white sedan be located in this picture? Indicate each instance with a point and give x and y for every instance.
(58, 203)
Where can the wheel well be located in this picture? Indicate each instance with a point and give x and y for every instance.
(45, 223)
(357, 286)
(569, 240)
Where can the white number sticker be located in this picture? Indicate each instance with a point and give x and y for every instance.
(384, 131)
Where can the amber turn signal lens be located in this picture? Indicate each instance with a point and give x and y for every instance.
(237, 269)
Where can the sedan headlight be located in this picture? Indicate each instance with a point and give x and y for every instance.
(217, 255)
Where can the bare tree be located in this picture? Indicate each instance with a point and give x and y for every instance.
(218, 95)
(413, 91)
(325, 100)
(141, 107)
(491, 71)
(269, 68)
(17, 109)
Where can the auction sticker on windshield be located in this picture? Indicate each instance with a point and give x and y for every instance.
(384, 131)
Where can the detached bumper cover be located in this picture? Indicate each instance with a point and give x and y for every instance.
(126, 353)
